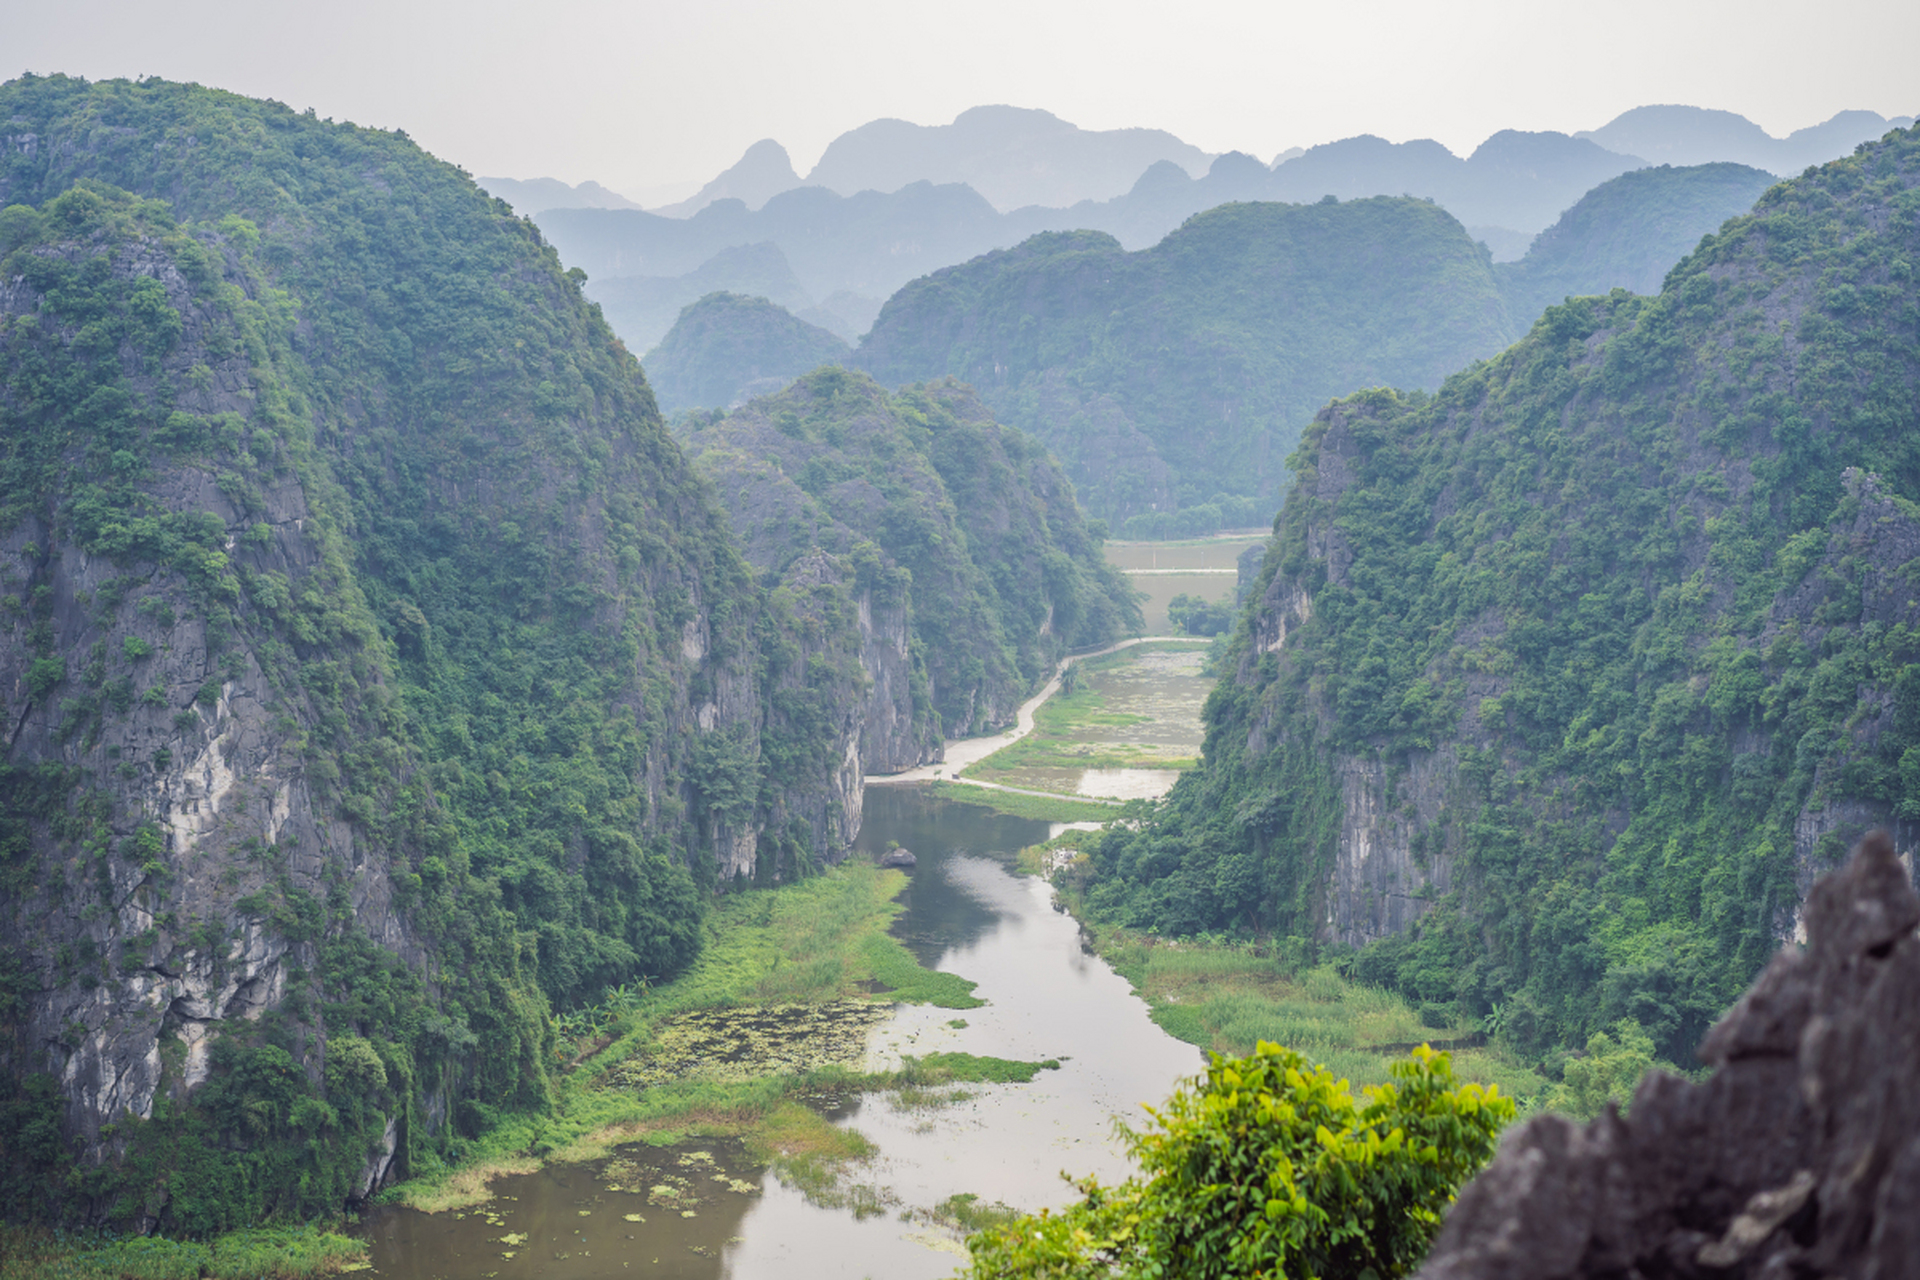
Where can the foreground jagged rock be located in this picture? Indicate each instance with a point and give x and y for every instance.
(1799, 1157)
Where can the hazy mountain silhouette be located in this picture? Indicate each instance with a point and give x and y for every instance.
(868, 244)
(529, 196)
(1698, 135)
(1013, 156)
(759, 175)
(642, 308)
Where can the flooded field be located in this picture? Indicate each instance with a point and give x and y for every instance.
(1134, 722)
(1204, 567)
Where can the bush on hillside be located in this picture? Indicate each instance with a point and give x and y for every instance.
(1270, 1166)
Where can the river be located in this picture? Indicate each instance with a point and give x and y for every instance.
(703, 1210)
(1047, 997)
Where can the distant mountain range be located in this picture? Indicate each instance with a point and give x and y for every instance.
(1695, 135)
(1171, 381)
(531, 195)
(1014, 157)
(847, 253)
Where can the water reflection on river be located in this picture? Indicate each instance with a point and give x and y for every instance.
(1048, 997)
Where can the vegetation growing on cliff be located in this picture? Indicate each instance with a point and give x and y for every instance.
(1624, 620)
(726, 348)
(1177, 379)
(928, 506)
(317, 464)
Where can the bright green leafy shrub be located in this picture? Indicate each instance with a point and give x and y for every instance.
(1608, 1071)
(1272, 1167)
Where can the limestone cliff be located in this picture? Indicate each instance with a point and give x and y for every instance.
(1800, 1155)
(956, 542)
(1560, 686)
(375, 671)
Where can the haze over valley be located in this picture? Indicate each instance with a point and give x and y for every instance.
(563, 725)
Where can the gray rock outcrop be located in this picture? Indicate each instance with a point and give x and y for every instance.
(1800, 1156)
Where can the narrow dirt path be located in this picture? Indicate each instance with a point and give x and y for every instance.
(962, 752)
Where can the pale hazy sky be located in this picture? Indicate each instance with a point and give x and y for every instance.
(638, 94)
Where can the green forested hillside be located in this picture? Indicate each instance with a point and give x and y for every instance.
(1561, 684)
(726, 348)
(1627, 233)
(1172, 383)
(377, 671)
(924, 505)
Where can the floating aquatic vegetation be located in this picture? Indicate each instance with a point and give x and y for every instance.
(747, 1044)
(671, 1192)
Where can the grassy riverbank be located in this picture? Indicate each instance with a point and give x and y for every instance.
(1225, 997)
(790, 979)
(1025, 805)
(263, 1253)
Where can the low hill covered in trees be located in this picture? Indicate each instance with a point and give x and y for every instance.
(1561, 684)
(972, 566)
(1627, 234)
(727, 348)
(1176, 379)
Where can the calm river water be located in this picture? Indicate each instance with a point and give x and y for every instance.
(700, 1210)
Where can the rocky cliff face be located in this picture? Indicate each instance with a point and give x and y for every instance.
(1799, 1156)
(1395, 849)
(374, 669)
(159, 793)
(1561, 686)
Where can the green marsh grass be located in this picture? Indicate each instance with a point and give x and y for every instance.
(1226, 997)
(260, 1253)
(819, 941)
(1018, 805)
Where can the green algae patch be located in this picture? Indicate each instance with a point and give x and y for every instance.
(746, 1043)
(787, 986)
(906, 980)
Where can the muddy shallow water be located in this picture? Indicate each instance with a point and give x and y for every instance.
(701, 1210)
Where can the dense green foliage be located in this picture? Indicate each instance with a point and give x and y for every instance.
(1627, 233)
(926, 502)
(1270, 1166)
(465, 564)
(726, 348)
(283, 1253)
(1173, 382)
(1606, 1071)
(1198, 616)
(1636, 652)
